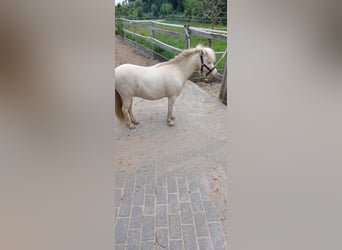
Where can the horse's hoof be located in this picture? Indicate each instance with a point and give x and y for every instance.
(170, 123)
(131, 126)
(135, 122)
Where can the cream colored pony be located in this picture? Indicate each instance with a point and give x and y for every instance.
(165, 79)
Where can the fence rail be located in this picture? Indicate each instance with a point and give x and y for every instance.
(155, 42)
(209, 34)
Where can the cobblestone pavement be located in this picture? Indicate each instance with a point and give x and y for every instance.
(170, 186)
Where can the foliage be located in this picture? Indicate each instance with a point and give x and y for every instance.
(119, 27)
(191, 8)
(154, 9)
(166, 9)
(212, 11)
(138, 3)
(140, 11)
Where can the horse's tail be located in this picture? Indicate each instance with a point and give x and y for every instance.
(118, 107)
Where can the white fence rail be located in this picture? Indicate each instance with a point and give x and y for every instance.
(209, 34)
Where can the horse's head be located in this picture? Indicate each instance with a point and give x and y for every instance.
(207, 59)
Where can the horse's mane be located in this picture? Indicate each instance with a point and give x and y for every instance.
(189, 52)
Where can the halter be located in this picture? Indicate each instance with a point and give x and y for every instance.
(206, 66)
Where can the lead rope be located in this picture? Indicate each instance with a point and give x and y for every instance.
(223, 56)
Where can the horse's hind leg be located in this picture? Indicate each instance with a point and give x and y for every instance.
(126, 103)
(170, 117)
(134, 121)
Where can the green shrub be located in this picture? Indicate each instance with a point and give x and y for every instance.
(166, 9)
(119, 27)
(155, 12)
(140, 11)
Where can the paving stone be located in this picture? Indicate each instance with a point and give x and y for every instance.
(120, 247)
(193, 185)
(210, 211)
(171, 184)
(133, 239)
(139, 196)
(176, 245)
(174, 226)
(216, 232)
(189, 237)
(149, 204)
(161, 216)
(183, 193)
(196, 202)
(205, 243)
(186, 213)
(136, 217)
(125, 207)
(132, 247)
(162, 238)
(147, 245)
(150, 184)
(161, 180)
(121, 230)
(201, 224)
(148, 227)
(139, 180)
(116, 212)
(120, 180)
(161, 195)
(173, 204)
(129, 186)
(117, 197)
(204, 192)
(181, 179)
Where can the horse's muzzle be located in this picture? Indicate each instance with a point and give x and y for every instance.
(212, 74)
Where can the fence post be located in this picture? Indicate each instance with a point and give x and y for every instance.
(123, 27)
(209, 43)
(187, 35)
(223, 91)
(153, 34)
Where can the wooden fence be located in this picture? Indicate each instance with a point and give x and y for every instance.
(188, 31)
(209, 34)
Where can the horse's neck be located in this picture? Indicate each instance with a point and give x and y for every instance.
(188, 66)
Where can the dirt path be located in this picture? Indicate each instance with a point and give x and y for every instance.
(125, 54)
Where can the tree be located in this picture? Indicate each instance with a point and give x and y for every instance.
(166, 9)
(191, 8)
(154, 10)
(213, 10)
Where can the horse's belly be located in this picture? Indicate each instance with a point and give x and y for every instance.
(149, 92)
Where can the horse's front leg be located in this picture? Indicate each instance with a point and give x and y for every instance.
(170, 117)
(134, 121)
